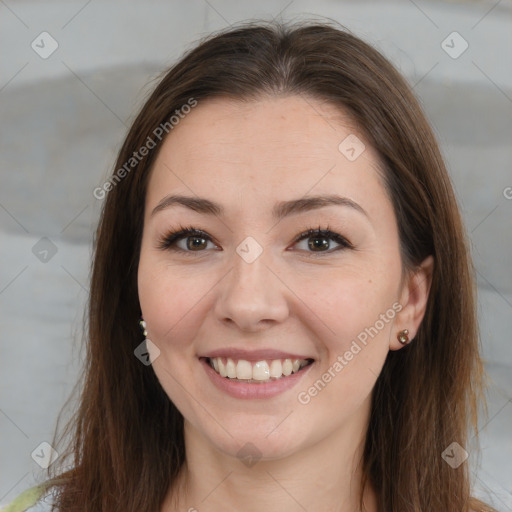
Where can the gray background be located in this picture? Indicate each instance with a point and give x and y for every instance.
(63, 118)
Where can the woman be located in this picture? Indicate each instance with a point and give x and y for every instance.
(282, 224)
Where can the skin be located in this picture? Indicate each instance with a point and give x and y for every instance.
(248, 156)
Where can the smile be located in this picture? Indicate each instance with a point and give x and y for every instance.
(256, 372)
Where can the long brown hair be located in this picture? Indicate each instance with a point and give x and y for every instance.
(126, 438)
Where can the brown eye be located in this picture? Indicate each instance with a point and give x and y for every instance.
(196, 242)
(317, 243)
(320, 241)
(186, 240)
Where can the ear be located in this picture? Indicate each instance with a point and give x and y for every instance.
(413, 299)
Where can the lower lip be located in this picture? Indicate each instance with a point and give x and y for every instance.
(253, 390)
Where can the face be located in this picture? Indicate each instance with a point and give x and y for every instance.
(251, 285)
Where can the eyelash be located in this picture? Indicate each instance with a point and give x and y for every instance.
(168, 241)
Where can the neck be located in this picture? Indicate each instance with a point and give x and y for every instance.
(324, 476)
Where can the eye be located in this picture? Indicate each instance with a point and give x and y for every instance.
(320, 240)
(190, 240)
(185, 240)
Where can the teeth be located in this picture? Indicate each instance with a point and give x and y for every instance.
(222, 368)
(231, 369)
(262, 371)
(287, 367)
(244, 370)
(276, 368)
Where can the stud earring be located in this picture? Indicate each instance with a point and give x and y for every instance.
(142, 325)
(403, 337)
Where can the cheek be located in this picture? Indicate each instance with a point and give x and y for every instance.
(169, 300)
(348, 302)
(358, 313)
(355, 311)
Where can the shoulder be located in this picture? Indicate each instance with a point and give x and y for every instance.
(35, 499)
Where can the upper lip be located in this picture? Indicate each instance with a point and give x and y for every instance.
(253, 355)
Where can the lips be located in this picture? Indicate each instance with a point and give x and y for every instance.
(257, 373)
(253, 388)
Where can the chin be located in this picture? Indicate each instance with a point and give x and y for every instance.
(258, 450)
(257, 443)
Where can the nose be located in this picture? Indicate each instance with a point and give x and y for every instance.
(252, 296)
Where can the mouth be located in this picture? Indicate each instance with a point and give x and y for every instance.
(258, 372)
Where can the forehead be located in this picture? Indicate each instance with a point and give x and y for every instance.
(253, 153)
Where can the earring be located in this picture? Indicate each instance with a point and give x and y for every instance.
(403, 337)
(142, 325)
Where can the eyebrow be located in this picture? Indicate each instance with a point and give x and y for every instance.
(280, 210)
